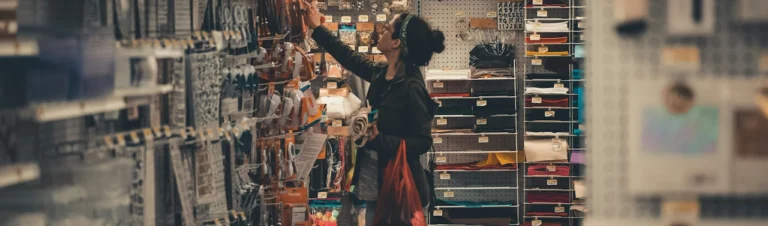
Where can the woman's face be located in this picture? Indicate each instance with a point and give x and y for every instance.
(386, 43)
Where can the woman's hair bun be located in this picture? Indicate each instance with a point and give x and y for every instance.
(438, 41)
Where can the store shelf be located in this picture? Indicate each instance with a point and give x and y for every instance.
(18, 173)
(550, 203)
(474, 188)
(475, 98)
(472, 152)
(552, 217)
(548, 108)
(472, 171)
(552, 121)
(546, 176)
(551, 94)
(545, 189)
(476, 206)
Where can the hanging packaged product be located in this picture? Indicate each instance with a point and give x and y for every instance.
(364, 31)
(348, 34)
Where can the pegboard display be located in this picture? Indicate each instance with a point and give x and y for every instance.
(732, 51)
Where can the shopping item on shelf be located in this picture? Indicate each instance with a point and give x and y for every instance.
(547, 169)
(580, 189)
(536, 90)
(578, 157)
(543, 150)
(548, 197)
(546, 101)
(550, 40)
(492, 55)
(539, 26)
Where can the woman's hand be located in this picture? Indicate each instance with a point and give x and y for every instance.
(373, 132)
(312, 17)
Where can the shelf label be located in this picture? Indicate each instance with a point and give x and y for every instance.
(362, 49)
(535, 37)
(549, 114)
(442, 121)
(375, 50)
(437, 140)
(337, 122)
(439, 103)
(441, 159)
(559, 209)
(536, 100)
(492, 14)
(551, 168)
(461, 14)
(536, 62)
(322, 195)
(437, 213)
(445, 176)
(482, 103)
(481, 121)
(538, 2)
(346, 19)
(328, 19)
(682, 210)
(551, 182)
(381, 17)
(559, 85)
(681, 57)
(331, 85)
(448, 194)
(580, 25)
(438, 85)
(543, 49)
(541, 13)
(536, 223)
(362, 18)
(148, 134)
(581, 126)
(482, 140)
(134, 137)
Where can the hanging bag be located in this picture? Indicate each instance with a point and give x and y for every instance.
(399, 202)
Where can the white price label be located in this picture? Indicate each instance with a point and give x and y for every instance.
(543, 49)
(536, 223)
(559, 85)
(481, 121)
(491, 14)
(375, 50)
(437, 213)
(549, 114)
(381, 17)
(581, 37)
(445, 176)
(538, 2)
(439, 103)
(331, 85)
(559, 209)
(448, 194)
(541, 13)
(536, 100)
(461, 14)
(441, 159)
(346, 19)
(551, 168)
(322, 195)
(442, 121)
(437, 140)
(438, 85)
(682, 57)
(336, 123)
(552, 182)
(482, 140)
(328, 19)
(581, 126)
(362, 49)
(536, 62)
(535, 37)
(580, 25)
(362, 18)
(482, 103)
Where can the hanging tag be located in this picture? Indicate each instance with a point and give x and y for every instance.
(437, 140)
(461, 14)
(482, 140)
(536, 62)
(242, 216)
(192, 131)
(346, 19)
(375, 50)
(581, 126)
(536, 222)
(227, 136)
(362, 49)
(552, 182)
(211, 135)
(167, 130)
(536, 100)
(580, 25)
(549, 114)
(442, 122)
(559, 85)
(492, 14)
(148, 134)
(535, 37)
(441, 159)
(381, 17)
(328, 19)
(559, 209)
(685, 210)
(134, 137)
(481, 121)
(157, 131)
(448, 194)
(538, 2)
(337, 122)
(541, 13)
(109, 142)
(551, 168)
(331, 85)
(437, 85)
(201, 135)
(437, 213)
(445, 176)
(234, 214)
(439, 103)
(543, 49)
(183, 133)
(362, 18)
(322, 195)
(481, 103)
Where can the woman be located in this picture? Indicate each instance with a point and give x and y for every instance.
(397, 90)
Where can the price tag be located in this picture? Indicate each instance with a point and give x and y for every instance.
(109, 142)
(362, 49)
(441, 159)
(536, 223)
(445, 176)
(535, 37)
(328, 19)
(362, 18)
(442, 121)
(157, 132)
(134, 137)
(331, 85)
(346, 19)
(439, 103)
(242, 216)
(482, 140)
(167, 131)
(581, 37)
(481, 121)
(559, 209)
(201, 135)
(438, 85)
(551, 168)
(437, 140)
(682, 57)
(493, 14)
(549, 114)
(536, 62)
(543, 49)
(381, 17)
(581, 126)
(580, 25)
(322, 195)
(552, 182)
(559, 85)
(148, 134)
(481, 103)
(437, 213)
(336, 123)
(538, 2)
(461, 14)
(541, 13)
(536, 100)
(681, 210)
(211, 134)
(448, 194)
(375, 50)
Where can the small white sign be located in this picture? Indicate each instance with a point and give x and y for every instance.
(346, 19)
(482, 140)
(536, 100)
(381, 17)
(362, 18)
